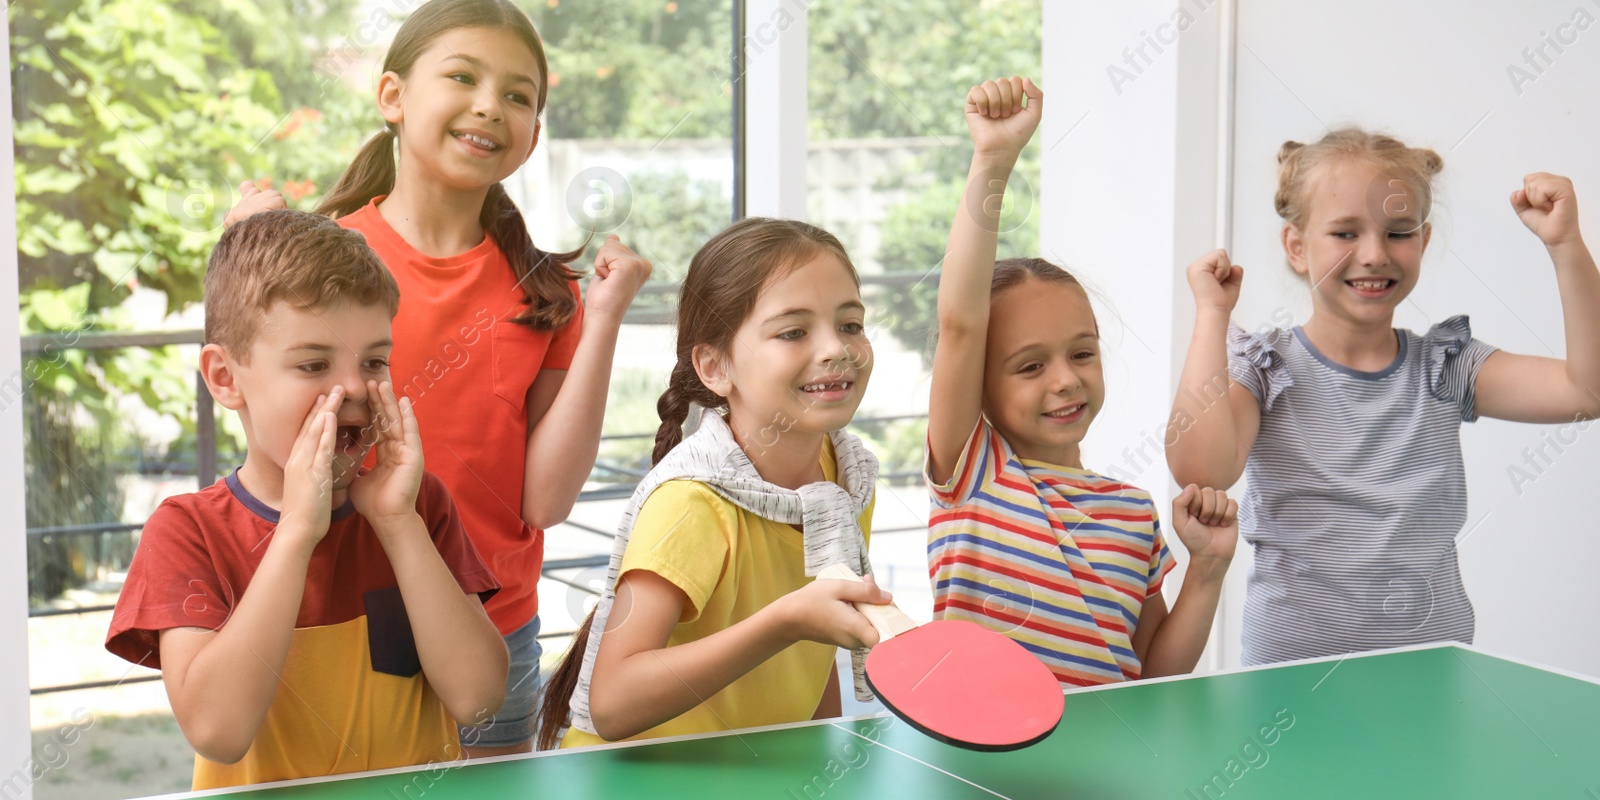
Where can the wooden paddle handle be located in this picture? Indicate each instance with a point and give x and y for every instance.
(888, 619)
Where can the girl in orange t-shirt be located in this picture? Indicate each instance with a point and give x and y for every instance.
(507, 370)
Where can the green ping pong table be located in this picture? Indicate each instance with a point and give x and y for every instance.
(1438, 721)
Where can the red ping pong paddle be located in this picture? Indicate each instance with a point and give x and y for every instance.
(957, 681)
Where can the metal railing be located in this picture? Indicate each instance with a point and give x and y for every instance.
(205, 467)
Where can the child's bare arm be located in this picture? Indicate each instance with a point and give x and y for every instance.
(1001, 118)
(462, 654)
(1214, 421)
(1171, 643)
(639, 682)
(831, 705)
(222, 682)
(1548, 390)
(565, 410)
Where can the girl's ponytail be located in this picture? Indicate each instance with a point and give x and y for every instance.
(542, 276)
(371, 174)
(683, 387)
(1297, 163)
(555, 713)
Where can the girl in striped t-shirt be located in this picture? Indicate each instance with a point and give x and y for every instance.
(1349, 428)
(1023, 539)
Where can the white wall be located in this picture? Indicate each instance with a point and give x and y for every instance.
(1438, 78)
(1128, 197)
(1132, 195)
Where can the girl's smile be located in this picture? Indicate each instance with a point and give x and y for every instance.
(828, 390)
(798, 365)
(1068, 414)
(1372, 288)
(1043, 382)
(1361, 262)
(466, 110)
(477, 142)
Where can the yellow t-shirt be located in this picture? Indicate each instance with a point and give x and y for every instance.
(731, 563)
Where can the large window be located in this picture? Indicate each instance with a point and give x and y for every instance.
(134, 120)
(888, 160)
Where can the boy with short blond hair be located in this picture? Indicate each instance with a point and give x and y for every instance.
(310, 617)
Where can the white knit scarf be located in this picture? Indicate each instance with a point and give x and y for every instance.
(828, 514)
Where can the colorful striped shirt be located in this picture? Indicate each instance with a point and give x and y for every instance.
(1059, 559)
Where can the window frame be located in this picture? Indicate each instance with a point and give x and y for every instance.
(15, 736)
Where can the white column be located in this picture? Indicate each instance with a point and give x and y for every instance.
(776, 108)
(15, 746)
(1128, 197)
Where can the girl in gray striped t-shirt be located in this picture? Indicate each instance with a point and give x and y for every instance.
(1348, 428)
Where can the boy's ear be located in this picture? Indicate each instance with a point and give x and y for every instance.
(390, 88)
(219, 377)
(1294, 247)
(713, 372)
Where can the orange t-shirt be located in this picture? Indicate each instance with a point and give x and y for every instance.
(467, 369)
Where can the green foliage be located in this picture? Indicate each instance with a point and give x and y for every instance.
(631, 410)
(671, 216)
(898, 444)
(914, 237)
(134, 120)
(903, 67)
(637, 69)
(647, 69)
(71, 473)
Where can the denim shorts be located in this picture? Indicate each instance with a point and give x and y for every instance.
(518, 717)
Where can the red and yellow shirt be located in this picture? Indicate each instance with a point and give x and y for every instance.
(352, 696)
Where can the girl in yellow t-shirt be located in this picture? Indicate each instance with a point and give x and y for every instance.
(709, 620)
